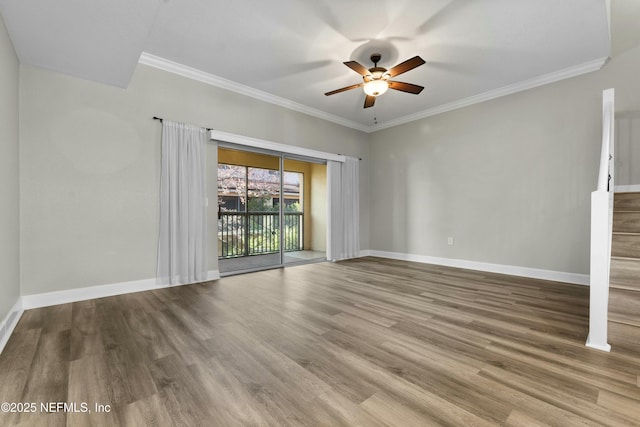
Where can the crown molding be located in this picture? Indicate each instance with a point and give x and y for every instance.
(545, 79)
(213, 80)
(210, 79)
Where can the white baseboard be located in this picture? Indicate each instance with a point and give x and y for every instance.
(8, 324)
(535, 273)
(634, 188)
(602, 347)
(92, 292)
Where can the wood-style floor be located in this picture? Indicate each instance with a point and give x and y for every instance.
(365, 342)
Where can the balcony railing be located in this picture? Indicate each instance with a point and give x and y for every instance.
(255, 233)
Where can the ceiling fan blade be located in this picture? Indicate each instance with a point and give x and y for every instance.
(333, 92)
(405, 66)
(406, 87)
(360, 69)
(369, 101)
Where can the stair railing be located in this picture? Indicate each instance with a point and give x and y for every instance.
(601, 232)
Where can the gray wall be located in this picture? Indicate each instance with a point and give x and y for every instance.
(509, 179)
(90, 163)
(9, 176)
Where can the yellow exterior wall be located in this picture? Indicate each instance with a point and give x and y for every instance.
(244, 158)
(318, 211)
(305, 169)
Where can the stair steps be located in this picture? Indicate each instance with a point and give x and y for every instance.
(624, 285)
(626, 202)
(625, 273)
(626, 221)
(625, 245)
(627, 307)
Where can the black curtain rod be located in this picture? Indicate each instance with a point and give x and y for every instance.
(161, 120)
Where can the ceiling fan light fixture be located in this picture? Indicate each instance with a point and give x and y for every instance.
(376, 87)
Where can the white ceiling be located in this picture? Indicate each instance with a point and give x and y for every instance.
(290, 51)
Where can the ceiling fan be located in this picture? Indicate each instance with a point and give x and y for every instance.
(376, 79)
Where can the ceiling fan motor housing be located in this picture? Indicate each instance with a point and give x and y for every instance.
(378, 73)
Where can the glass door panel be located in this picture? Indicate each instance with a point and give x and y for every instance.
(232, 187)
(304, 190)
(263, 211)
(248, 211)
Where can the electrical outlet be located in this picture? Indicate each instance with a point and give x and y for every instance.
(450, 241)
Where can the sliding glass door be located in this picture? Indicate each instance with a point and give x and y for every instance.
(305, 210)
(262, 202)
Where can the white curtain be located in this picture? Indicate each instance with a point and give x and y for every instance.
(343, 237)
(182, 243)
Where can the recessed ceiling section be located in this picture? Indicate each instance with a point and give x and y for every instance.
(294, 51)
(98, 40)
